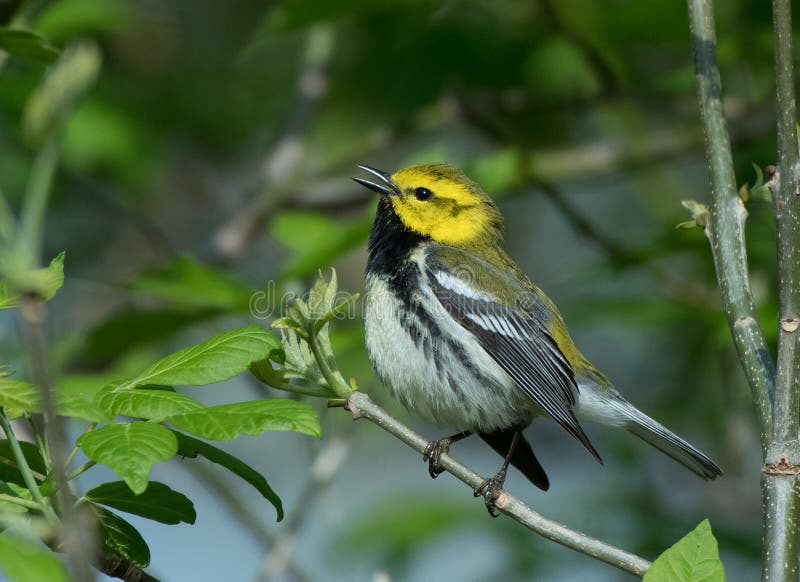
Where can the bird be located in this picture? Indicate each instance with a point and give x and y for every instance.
(462, 337)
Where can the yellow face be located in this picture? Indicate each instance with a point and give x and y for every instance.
(439, 201)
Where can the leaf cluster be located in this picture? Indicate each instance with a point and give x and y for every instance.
(139, 422)
(306, 363)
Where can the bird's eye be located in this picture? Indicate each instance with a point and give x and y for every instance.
(423, 194)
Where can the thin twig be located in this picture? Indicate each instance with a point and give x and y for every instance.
(40, 442)
(361, 406)
(76, 448)
(725, 229)
(781, 496)
(27, 503)
(76, 532)
(24, 469)
(80, 470)
(13, 465)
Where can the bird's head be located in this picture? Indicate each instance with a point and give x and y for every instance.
(439, 202)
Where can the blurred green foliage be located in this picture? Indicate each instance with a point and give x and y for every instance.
(213, 152)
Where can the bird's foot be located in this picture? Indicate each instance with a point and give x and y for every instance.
(433, 455)
(490, 489)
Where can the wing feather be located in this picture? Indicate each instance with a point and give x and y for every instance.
(520, 343)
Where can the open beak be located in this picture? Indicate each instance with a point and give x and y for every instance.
(384, 186)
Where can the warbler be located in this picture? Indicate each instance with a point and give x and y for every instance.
(462, 337)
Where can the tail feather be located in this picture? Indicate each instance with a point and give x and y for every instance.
(671, 444)
(600, 402)
(523, 457)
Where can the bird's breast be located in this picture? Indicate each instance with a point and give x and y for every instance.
(431, 364)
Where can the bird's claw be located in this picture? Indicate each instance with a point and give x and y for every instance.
(490, 489)
(433, 456)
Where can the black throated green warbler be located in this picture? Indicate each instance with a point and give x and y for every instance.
(462, 337)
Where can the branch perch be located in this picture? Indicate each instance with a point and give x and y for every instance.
(361, 406)
(725, 228)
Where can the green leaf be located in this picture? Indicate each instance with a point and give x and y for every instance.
(15, 491)
(759, 191)
(20, 397)
(27, 45)
(158, 502)
(279, 378)
(42, 282)
(134, 328)
(8, 465)
(228, 421)
(87, 386)
(148, 404)
(76, 407)
(120, 537)
(69, 19)
(308, 318)
(8, 300)
(694, 558)
(130, 449)
(219, 358)
(45, 282)
(187, 282)
(16, 396)
(25, 561)
(700, 215)
(192, 447)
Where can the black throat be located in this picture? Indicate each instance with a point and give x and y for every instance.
(390, 241)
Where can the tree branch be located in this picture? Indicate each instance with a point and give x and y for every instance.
(781, 496)
(725, 229)
(361, 406)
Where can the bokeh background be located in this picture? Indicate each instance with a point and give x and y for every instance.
(213, 154)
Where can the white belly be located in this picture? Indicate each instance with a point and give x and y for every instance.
(457, 385)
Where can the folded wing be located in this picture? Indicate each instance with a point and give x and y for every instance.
(517, 339)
